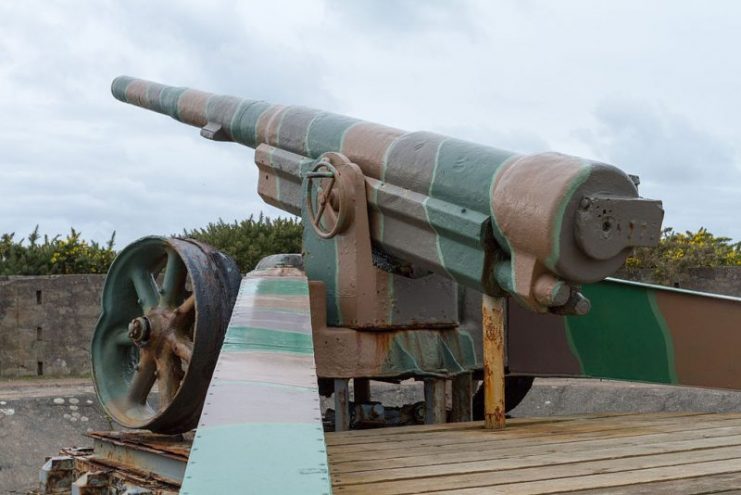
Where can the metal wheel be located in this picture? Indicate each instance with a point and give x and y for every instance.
(166, 305)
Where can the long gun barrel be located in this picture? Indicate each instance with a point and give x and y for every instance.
(535, 226)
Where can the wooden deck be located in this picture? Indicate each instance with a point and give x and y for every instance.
(659, 454)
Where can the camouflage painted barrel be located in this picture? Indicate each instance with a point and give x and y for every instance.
(535, 226)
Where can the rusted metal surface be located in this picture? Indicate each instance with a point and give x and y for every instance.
(92, 483)
(126, 479)
(137, 459)
(493, 321)
(143, 457)
(57, 475)
(127, 463)
(175, 447)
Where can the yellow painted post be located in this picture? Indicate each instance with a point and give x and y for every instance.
(493, 320)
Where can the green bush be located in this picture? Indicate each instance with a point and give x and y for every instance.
(678, 252)
(57, 255)
(250, 240)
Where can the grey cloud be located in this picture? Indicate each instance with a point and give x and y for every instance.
(70, 155)
(496, 73)
(404, 17)
(694, 173)
(663, 146)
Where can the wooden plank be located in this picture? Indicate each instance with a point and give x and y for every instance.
(665, 453)
(552, 441)
(514, 427)
(393, 434)
(599, 481)
(506, 471)
(577, 430)
(669, 442)
(727, 484)
(493, 311)
(400, 432)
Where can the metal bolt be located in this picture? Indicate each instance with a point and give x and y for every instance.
(139, 329)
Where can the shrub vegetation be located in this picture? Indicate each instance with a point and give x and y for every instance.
(249, 240)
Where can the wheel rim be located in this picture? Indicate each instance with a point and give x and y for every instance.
(166, 305)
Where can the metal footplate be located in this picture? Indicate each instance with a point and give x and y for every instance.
(261, 428)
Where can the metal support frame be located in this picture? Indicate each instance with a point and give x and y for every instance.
(462, 397)
(341, 404)
(435, 411)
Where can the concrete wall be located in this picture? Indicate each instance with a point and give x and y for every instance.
(46, 324)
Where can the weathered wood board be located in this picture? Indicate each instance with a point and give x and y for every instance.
(681, 453)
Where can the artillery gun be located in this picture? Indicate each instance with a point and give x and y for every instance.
(394, 223)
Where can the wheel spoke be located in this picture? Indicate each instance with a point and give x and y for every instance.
(187, 306)
(146, 289)
(173, 284)
(169, 375)
(143, 380)
(184, 314)
(182, 347)
(121, 338)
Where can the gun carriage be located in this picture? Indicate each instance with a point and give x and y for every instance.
(398, 228)
(413, 245)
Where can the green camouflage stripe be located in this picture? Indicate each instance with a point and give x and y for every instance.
(634, 332)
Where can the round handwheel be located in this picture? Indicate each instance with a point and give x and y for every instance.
(166, 305)
(326, 201)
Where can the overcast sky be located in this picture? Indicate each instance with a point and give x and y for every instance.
(652, 87)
